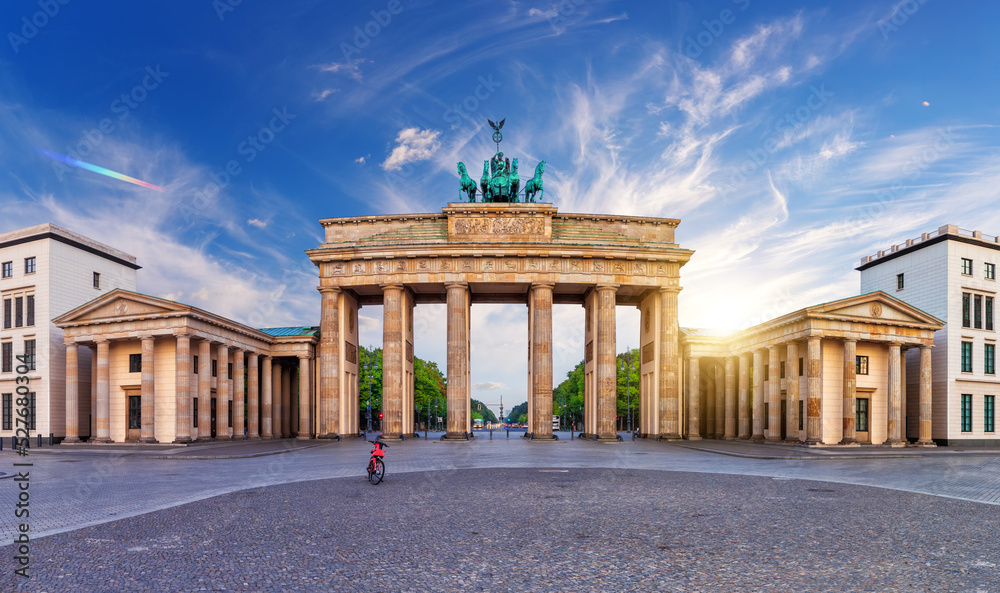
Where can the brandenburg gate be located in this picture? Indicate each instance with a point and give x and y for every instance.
(499, 252)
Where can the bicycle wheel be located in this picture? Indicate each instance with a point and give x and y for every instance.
(375, 475)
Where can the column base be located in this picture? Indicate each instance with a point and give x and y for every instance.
(774, 439)
(304, 437)
(204, 440)
(729, 438)
(895, 443)
(182, 440)
(693, 437)
(253, 437)
(225, 438)
(266, 437)
(794, 441)
(327, 436)
(457, 436)
(103, 440)
(757, 438)
(847, 442)
(148, 440)
(70, 440)
(925, 444)
(743, 437)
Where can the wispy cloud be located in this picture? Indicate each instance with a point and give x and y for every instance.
(412, 144)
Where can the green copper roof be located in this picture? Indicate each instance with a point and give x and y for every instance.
(298, 330)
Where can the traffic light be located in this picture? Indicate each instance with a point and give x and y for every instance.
(380, 415)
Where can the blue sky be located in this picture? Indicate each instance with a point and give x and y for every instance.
(791, 138)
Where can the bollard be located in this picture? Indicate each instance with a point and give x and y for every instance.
(508, 434)
(571, 434)
(39, 439)
(51, 437)
(491, 433)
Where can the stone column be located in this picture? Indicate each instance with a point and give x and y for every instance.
(711, 380)
(286, 402)
(758, 395)
(457, 397)
(850, 384)
(393, 351)
(239, 396)
(294, 402)
(541, 362)
(148, 392)
(607, 371)
(669, 376)
(328, 422)
(926, 386)
(266, 405)
(204, 390)
(182, 382)
(814, 392)
(72, 393)
(222, 393)
(744, 404)
(253, 394)
(694, 394)
(275, 398)
(103, 416)
(894, 432)
(730, 419)
(720, 399)
(305, 401)
(792, 392)
(773, 394)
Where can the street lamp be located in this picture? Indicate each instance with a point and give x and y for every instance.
(630, 357)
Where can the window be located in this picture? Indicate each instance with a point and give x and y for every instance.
(29, 265)
(990, 359)
(767, 372)
(7, 411)
(97, 280)
(861, 364)
(29, 354)
(135, 363)
(966, 313)
(800, 413)
(802, 365)
(978, 317)
(8, 269)
(989, 313)
(899, 282)
(966, 266)
(966, 357)
(18, 311)
(8, 357)
(194, 412)
(991, 271)
(30, 301)
(215, 368)
(230, 370)
(196, 364)
(966, 412)
(782, 369)
(861, 414)
(989, 413)
(6, 313)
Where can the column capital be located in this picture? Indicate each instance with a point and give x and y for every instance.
(304, 356)
(604, 287)
(333, 289)
(673, 289)
(101, 340)
(456, 284)
(549, 285)
(386, 287)
(848, 340)
(253, 354)
(69, 341)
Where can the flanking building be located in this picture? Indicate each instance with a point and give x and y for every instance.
(158, 371)
(950, 273)
(830, 374)
(46, 270)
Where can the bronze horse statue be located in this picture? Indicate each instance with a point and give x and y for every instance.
(534, 184)
(515, 183)
(466, 183)
(484, 182)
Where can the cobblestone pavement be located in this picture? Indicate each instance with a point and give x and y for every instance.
(82, 487)
(535, 530)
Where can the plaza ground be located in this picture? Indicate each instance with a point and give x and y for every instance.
(509, 515)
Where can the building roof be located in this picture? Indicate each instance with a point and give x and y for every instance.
(56, 233)
(948, 232)
(299, 330)
(702, 332)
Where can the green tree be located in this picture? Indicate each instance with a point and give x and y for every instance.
(519, 413)
(480, 411)
(628, 383)
(370, 382)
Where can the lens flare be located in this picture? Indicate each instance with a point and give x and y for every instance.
(926, 104)
(78, 163)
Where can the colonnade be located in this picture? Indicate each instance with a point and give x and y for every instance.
(264, 406)
(738, 388)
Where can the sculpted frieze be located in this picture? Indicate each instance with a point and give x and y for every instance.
(481, 225)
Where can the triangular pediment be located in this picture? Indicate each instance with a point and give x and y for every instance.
(119, 304)
(878, 306)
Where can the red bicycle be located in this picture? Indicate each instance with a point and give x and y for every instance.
(376, 465)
